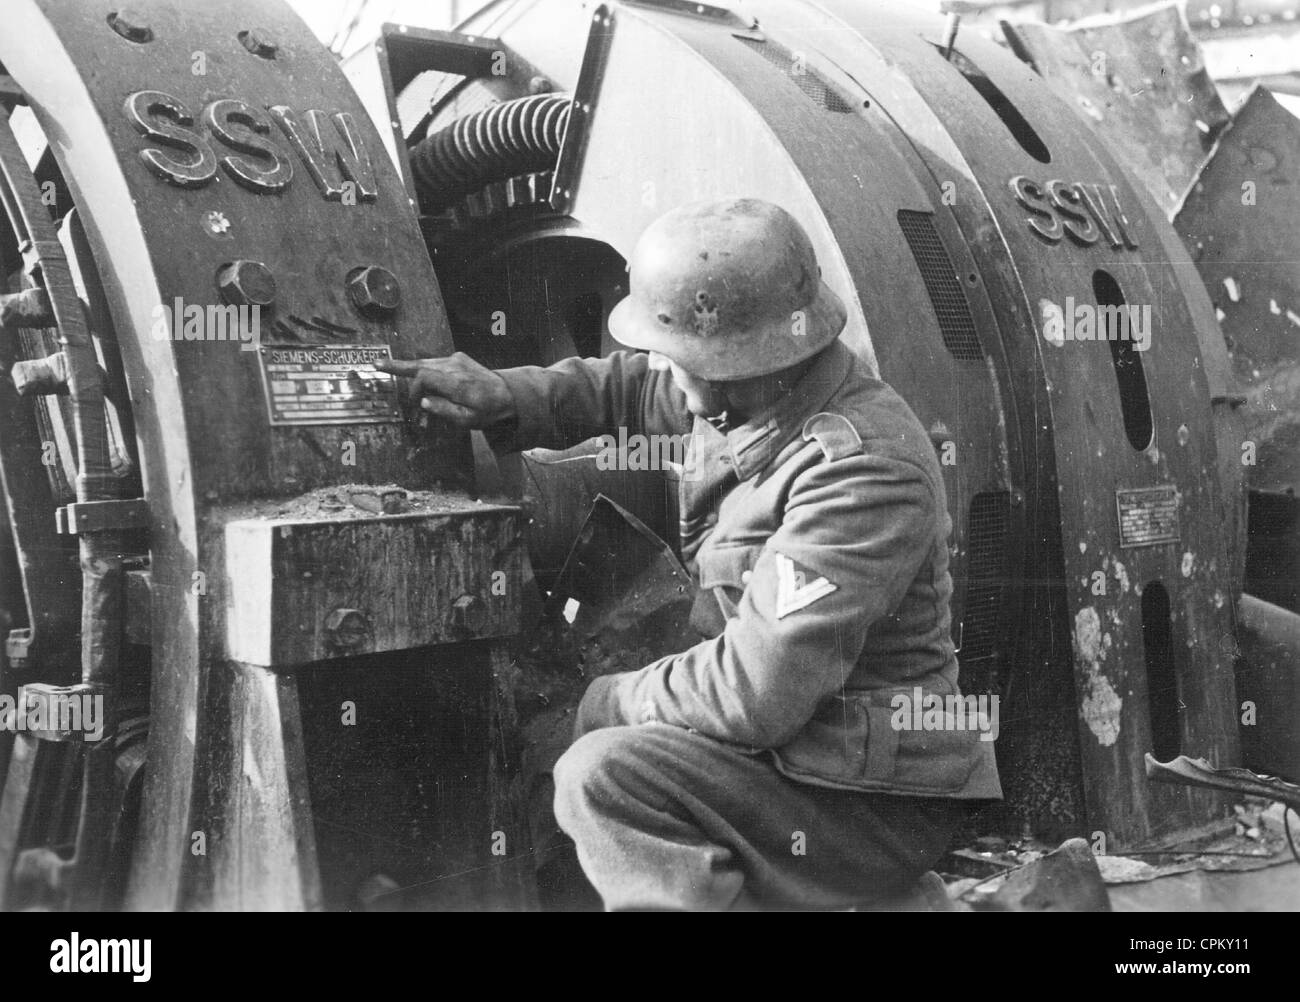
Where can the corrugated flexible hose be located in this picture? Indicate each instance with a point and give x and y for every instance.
(508, 139)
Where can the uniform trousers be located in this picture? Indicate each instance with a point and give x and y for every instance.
(665, 818)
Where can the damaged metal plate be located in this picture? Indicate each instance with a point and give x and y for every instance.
(1198, 772)
(1141, 82)
(1239, 221)
(621, 601)
(618, 574)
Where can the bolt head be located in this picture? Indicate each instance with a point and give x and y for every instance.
(394, 502)
(246, 283)
(131, 25)
(469, 614)
(347, 629)
(374, 290)
(259, 42)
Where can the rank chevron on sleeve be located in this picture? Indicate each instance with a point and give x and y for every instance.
(793, 589)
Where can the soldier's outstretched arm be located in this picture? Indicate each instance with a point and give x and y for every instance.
(456, 389)
(554, 407)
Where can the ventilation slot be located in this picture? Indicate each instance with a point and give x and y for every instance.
(986, 549)
(796, 69)
(1021, 131)
(1162, 681)
(1120, 319)
(941, 282)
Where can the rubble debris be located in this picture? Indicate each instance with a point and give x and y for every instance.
(1065, 880)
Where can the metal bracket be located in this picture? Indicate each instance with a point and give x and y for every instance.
(53, 704)
(705, 11)
(41, 376)
(577, 133)
(18, 645)
(102, 516)
(38, 252)
(411, 51)
(29, 308)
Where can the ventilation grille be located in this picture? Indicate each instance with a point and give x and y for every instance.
(986, 549)
(946, 295)
(804, 78)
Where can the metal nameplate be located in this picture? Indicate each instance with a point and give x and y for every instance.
(328, 384)
(1148, 516)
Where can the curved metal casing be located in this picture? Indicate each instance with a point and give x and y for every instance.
(187, 150)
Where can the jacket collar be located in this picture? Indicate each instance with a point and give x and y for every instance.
(754, 444)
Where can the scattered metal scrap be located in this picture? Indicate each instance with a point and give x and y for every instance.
(1140, 80)
(1231, 864)
(1198, 772)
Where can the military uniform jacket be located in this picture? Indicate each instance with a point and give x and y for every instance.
(818, 534)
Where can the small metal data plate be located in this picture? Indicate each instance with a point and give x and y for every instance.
(1147, 516)
(328, 384)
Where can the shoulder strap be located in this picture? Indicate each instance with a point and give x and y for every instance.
(834, 433)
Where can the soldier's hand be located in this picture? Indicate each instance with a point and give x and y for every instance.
(456, 389)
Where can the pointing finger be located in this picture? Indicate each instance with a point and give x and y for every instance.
(398, 367)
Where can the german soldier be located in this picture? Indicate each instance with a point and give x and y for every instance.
(765, 765)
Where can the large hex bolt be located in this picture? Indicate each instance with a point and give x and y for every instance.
(259, 42)
(246, 283)
(347, 630)
(469, 614)
(131, 25)
(374, 290)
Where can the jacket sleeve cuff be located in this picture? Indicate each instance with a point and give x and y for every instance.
(532, 412)
(601, 705)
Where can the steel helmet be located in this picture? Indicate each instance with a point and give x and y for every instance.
(727, 290)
